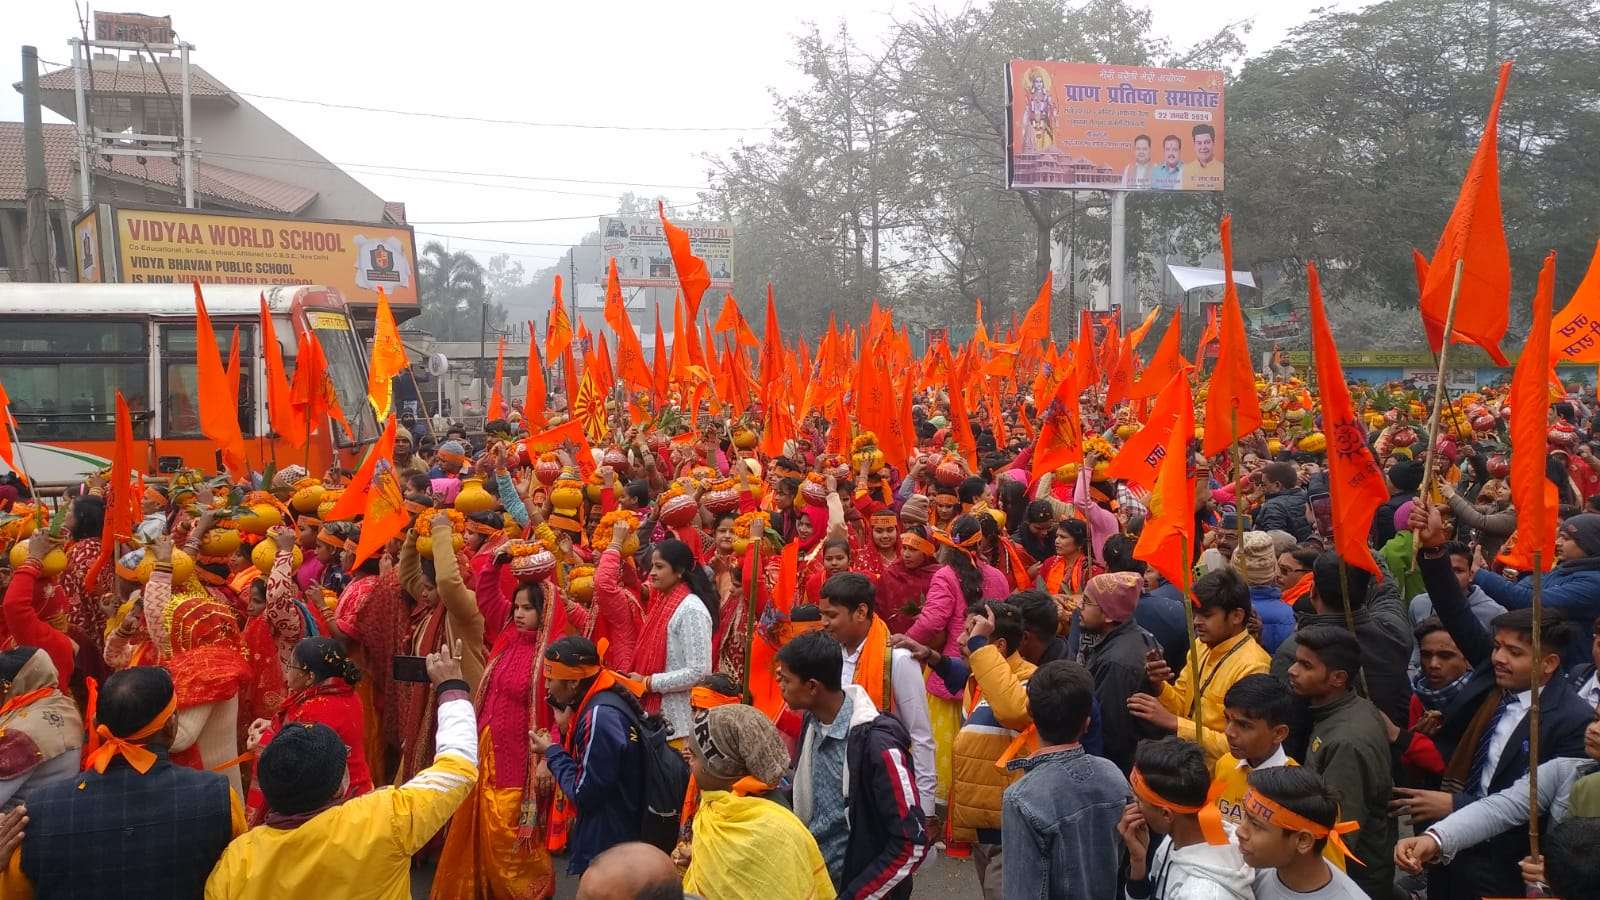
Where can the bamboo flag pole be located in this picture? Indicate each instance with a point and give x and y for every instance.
(1350, 617)
(1533, 709)
(16, 441)
(1238, 476)
(1438, 387)
(1194, 647)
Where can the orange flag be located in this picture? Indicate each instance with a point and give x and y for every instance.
(772, 353)
(1210, 333)
(1355, 485)
(878, 410)
(569, 431)
(497, 400)
(693, 277)
(1119, 375)
(8, 451)
(1166, 362)
(1533, 496)
(1575, 331)
(219, 409)
(558, 329)
(384, 515)
(658, 364)
(1137, 335)
(533, 404)
(1167, 541)
(680, 368)
(388, 359)
(280, 397)
(630, 353)
(1083, 360)
(314, 398)
(731, 319)
(1060, 430)
(605, 377)
(1232, 408)
(1139, 460)
(960, 424)
(354, 499)
(1476, 235)
(122, 502)
(1035, 328)
(232, 369)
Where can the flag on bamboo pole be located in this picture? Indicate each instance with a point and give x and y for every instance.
(533, 403)
(1476, 235)
(1166, 361)
(1139, 460)
(1209, 334)
(1083, 360)
(730, 319)
(353, 502)
(388, 359)
(232, 369)
(1355, 485)
(497, 400)
(658, 363)
(879, 411)
(1532, 494)
(557, 327)
(1060, 429)
(1232, 407)
(960, 424)
(1575, 331)
(693, 277)
(772, 352)
(219, 408)
(1169, 527)
(630, 354)
(8, 423)
(122, 510)
(280, 396)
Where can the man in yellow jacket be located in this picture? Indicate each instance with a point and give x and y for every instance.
(361, 849)
(1227, 654)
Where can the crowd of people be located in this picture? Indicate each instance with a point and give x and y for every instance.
(675, 665)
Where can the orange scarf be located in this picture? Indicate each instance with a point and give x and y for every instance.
(110, 746)
(25, 700)
(1297, 590)
(872, 666)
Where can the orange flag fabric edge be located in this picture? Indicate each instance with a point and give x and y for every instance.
(354, 500)
(1355, 484)
(219, 410)
(388, 359)
(497, 402)
(1170, 526)
(280, 395)
(232, 369)
(1232, 407)
(1164, 363)
(630, 365)
(1474, 233)
(8, 451)
(1139, 460)
(1531, 493)
(533, 403)
(1573, 330)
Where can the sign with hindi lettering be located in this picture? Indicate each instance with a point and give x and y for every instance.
(1112, 128)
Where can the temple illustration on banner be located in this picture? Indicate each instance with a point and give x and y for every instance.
(1055, 167)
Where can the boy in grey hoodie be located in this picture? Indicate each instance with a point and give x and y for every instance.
(1197, 861)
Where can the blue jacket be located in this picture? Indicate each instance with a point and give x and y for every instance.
(1060, 827)
(1572, 587)
(1277, 617)
(604, 780)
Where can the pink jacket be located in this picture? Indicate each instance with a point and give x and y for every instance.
(1102, 524)
(944, 615)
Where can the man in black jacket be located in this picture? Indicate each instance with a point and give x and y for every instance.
(1489, 749)
(1404, 477)
(1117, 662)
(870, 829)
(1285, 506)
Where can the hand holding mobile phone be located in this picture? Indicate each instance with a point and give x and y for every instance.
(410, 668)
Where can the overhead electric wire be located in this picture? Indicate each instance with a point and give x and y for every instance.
(487, 120)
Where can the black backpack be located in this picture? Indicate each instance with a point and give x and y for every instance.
(666, 775)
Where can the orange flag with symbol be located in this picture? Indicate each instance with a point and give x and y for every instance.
(280, 397)
(1476, 236)
(1355, 485)
(1167, 361)
(497, 400)
(558, 328)
(630, 353)
(693, 277)
(1532, 494)
(1575, 331)
(388, 359)
(219, 408)
(1167, 541)
(1139, 460)
(1060, 430)
(1232, 407)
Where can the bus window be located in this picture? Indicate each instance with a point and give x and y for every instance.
(347, 368)
(63, 376)
(180, 414)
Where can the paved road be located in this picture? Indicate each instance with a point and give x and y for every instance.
(941, 877)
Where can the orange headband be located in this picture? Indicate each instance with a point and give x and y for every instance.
(451, 456)
(154, 496)
(1209, 814)
(702, 697)
(555, 668)
(480, 528)
(110, 746)
(415, 508)
(917, 542)
(351, 546)
(331, 540)
(967, 546)
(307, 521)
(1273, 813)
(884, 518)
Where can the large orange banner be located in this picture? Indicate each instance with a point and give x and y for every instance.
(1113, 128)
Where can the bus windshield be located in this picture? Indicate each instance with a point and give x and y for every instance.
(347, 369)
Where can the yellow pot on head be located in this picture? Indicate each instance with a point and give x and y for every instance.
(1274, 446)
(220, 542)
(266, 551)
(306, 500)
(425, 544)
(182, 567)
(474, 497)
(259, 518)
(53, 564)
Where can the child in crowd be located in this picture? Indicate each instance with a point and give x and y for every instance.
(1290, 818)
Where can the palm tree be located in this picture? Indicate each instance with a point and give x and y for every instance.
(453, 293)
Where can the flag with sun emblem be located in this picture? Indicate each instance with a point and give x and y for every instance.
(589, 408)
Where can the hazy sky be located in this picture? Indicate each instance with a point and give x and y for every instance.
(708, 64)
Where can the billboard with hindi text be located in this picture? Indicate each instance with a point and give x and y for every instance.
(643, 260)
(1094, 126)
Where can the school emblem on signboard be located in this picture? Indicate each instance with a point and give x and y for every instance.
(381, 262)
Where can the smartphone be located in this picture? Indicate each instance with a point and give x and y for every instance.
(410, 668)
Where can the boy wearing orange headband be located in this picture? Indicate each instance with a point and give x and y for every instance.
(1170, 788)
(1290, 816)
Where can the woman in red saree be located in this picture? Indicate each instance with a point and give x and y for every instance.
(88, 605)
(904, 584)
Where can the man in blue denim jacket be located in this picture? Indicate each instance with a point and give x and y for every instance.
(1060, 818)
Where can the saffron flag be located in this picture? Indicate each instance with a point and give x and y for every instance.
(731, 319)
(1137, 335)
(1139, 460)
(693, 277)
(658, 364)
(1083, 360)
(232, 369)
(1060, 430)
(568, 432)
(219, 409)
(388, 359)
(122, 501)
(1532, 494)
(772, 353)
(1167, 541)
(8, 451)
(960, 423)
(590, 410)
(314, 397)
(1035, 328)
(1232, 407)
(1167, 361)
(630, 354)
(1573, 331)
(280, 397)
(533, 404)
(558, 329)
(1355, 485)
(1475, 236)
(497, 400)
(1208, 334)
(353, 501)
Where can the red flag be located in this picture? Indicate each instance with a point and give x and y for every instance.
(1060, 430)
(533, 404)
(280, 397)
(219, 408)
(1139, 460)
(1355, 485)
(1167, 541)
(497, 400)
(1474, 234)
(1232, 408)
(1167, 361)
(233, 365)
(658, 364)
(1532, 495)
(1574, 331)
(7, 451)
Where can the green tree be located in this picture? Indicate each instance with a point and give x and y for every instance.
(454, 295)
